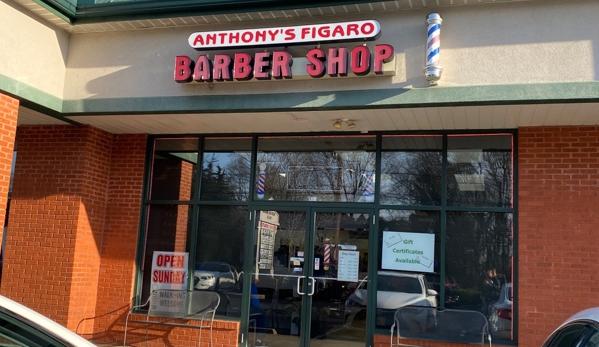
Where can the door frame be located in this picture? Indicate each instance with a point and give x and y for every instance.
(311, 210)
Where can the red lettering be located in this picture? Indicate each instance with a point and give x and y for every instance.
(273, 34)
(324, 31)
(316, 58)
(160, 260)
(167, 261)
(242, 66)
(360, 60)
(352, 28)
(382, 54)
(183, 69)
(222, 37)
(199, 39)
(305, 32)
(211, 38)
(261, 35)
(247, 36)
(155, 276)
(290, 34)
(337, 62)
(222, 67)
(367, 28)
(281, 64)
(338, 31)
(203, 69)
(261, 64)
(234, 37)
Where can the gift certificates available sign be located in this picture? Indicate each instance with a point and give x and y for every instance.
(279, 64)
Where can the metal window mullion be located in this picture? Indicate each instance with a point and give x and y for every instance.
(443, 221)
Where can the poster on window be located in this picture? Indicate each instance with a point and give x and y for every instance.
(408, 251)
(267, 245)
(169, 270)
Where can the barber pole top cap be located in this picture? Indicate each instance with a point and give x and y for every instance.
(434, 18)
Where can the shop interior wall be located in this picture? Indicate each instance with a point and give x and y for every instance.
(33, 55)
(491, 44)
(557, 231)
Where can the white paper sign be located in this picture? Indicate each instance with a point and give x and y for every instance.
(169, 270)
(408, 251)
(349, 262)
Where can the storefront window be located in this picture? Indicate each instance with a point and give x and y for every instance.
(479, 263)
(218, 262)
(479, 171)
(226, 166)
(316, 168)
(173, 168)
(409, 262)
(411, 170)
(167, 231)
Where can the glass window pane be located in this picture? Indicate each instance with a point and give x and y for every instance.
(480, 170)
(173, 169)
(316, 168)
(219, 255)
(569, 336)
(226, 169)
(167, 231)
(410, 253)
(479, 255)
(411, 170)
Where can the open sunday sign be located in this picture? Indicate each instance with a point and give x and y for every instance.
(279, 64)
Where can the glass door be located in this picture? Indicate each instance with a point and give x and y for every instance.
(309, 278)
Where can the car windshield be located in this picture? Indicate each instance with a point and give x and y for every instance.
(409, 285)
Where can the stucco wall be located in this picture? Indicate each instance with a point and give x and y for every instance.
(509, 43)
(33, 53)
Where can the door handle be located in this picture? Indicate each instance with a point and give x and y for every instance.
(313, 285)
(298, 286)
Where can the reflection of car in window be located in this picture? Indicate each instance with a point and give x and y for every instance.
(395, 290)
(215, 275)
(500, 318)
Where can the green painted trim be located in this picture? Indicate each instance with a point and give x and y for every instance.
(62, 9)
(25, 92)
(334, 100)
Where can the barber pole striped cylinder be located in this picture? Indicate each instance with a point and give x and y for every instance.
(327, 253)
(432, 71)
(261, 183)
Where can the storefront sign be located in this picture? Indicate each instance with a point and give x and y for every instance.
(408, 251)
(367, 29)
(169, 270)
(359, 61)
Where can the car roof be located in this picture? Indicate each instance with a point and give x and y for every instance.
(51, 328)
(588, 314)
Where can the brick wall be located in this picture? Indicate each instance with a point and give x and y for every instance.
(9, 108)
(558, 228)
(56, 222)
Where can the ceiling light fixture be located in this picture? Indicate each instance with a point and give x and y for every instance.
(338, 124)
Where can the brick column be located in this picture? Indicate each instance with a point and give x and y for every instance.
(557, 232)
(9, 109)
(56, 225)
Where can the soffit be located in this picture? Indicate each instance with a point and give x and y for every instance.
(189, 20)
(396, 119)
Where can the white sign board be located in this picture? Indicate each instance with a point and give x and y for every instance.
(408, 251)
(169, 270)
(348, 266)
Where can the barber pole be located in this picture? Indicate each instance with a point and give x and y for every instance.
(327, 254)
(261, 181)
(432, 71)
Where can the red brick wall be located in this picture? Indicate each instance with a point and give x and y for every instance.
(558, 227)
(56, 221)
(9, 109)
(118, 250)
